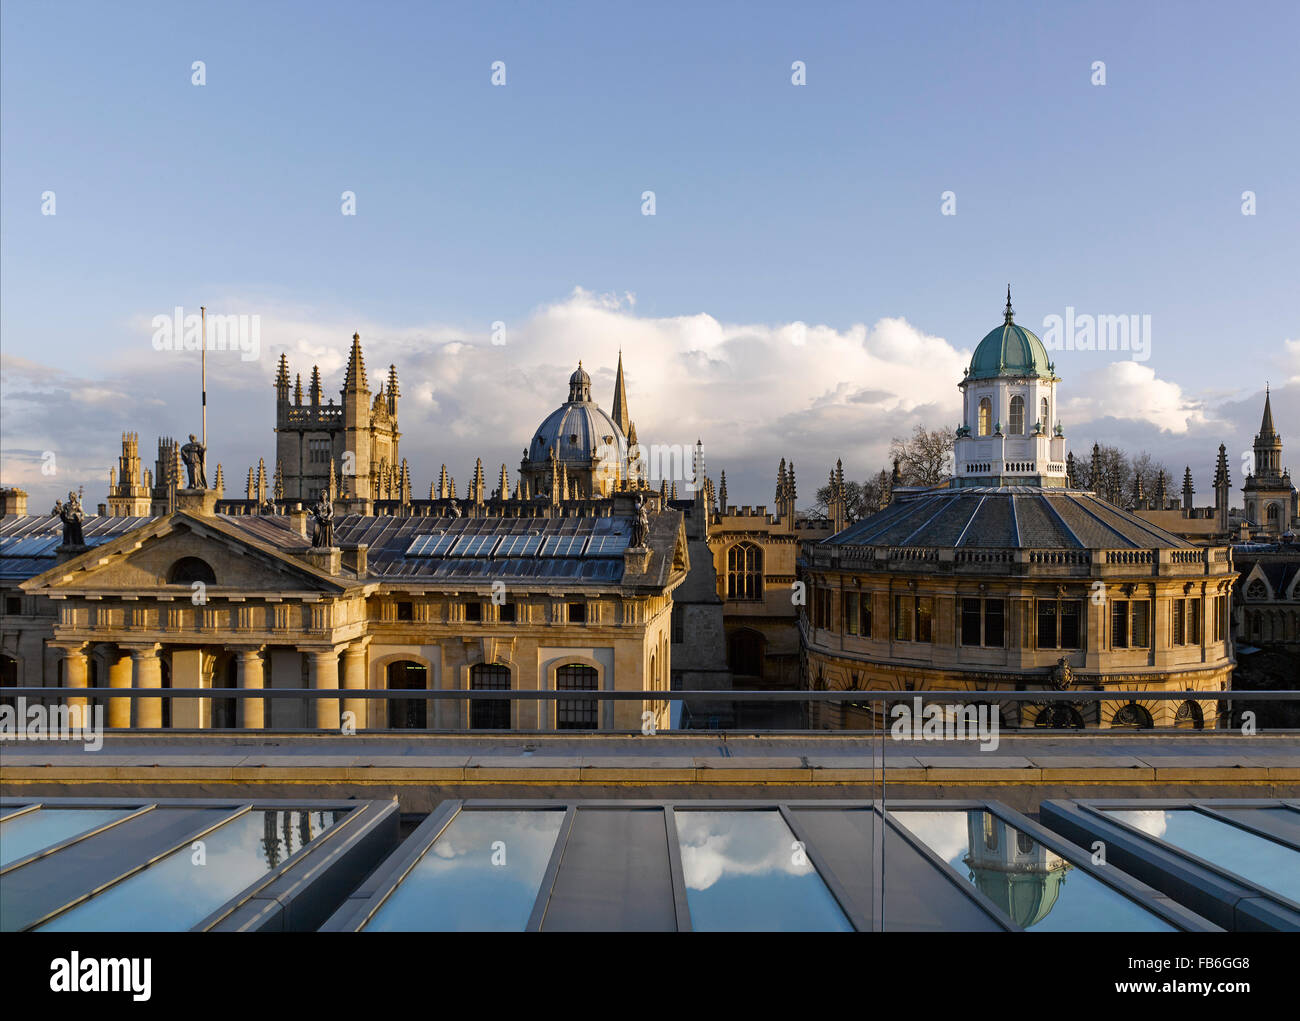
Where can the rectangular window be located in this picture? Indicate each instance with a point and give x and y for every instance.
(1220, 613)
(924, 612)
(577, 613)
(970, 621)
(1180, 621)
(904, 611)
(1119, 624)
(679, 624)
(1193, 622)
(507, 613)
(851, 610)
(474, 612)
(13, 605)
(864, 617)
(1071, 615)
(1047, 638)
(1141, 629)
(982, 622)
(994, 614)
(405, 611)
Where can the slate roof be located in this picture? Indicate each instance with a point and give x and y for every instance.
(420, 549)
(1010, 517)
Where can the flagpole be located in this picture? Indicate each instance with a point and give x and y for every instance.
(203, 373)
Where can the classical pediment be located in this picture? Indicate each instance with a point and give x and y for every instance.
(170, 553)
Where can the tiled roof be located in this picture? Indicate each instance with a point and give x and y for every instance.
(1021, 517)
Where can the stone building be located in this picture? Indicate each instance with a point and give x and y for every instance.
(204, 600)
(1009, 580)
(356, 439)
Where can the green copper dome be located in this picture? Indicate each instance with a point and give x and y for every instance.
(1010, 350)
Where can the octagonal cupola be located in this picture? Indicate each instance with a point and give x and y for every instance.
(1010, 433)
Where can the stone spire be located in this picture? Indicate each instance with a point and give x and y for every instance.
(332, 486)
(1189, 491)
(503, 486)
(282, 380)
(722, 489)
(1139, 496)
(277, 487)
(1160, 489)
(393, 391)
(354, 379)
(564, 481)
(1266, 430)
(251, 489)
(620, 415)
(780, 484)
(478, 483)
(444, 491)
(317, 394)
(220, 486)
(297, 390)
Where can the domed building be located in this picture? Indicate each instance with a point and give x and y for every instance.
(580, 449)
(1004, 578)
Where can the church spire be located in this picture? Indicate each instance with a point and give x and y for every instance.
(1266, 430)
(621, 417)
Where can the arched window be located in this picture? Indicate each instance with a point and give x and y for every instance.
(1046, 416)
(188, 570)
(744, 571)
(489, 714)
(986, 416)
(404, 714)
(1017, 416)
(1189, 716)
(576, 714)
(1256, 590)
(1133, 716)
(990, 832)
(1024, 843)
(1272, 513)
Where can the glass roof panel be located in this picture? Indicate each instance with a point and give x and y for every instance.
(34, 831)
(745, 872)
(475, 546)
(175, 893)
(430, 545)
(481, 875)
(564, 546)
(1265, 863)
(1031, 884)
(519, 546)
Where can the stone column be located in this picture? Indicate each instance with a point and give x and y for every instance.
(75, 671)
(354, 679)
(248, 666)
(148, 674)
(119, 676)
(323, 673)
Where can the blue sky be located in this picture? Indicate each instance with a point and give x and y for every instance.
(775, 204)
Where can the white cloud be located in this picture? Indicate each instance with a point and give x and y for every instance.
(1131, 390)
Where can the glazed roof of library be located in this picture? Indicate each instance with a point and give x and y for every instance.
(1014, 517)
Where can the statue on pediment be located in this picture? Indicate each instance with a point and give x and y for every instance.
(641, 525)
(71, 515)
(194, 454)
(323, 515)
